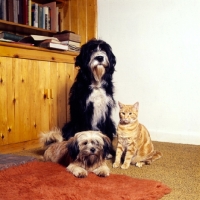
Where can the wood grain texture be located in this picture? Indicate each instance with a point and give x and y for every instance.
(34, 97)
(80, 16)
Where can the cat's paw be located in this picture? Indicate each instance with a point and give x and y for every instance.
(139, 164)
(125, 166)
(116, 164)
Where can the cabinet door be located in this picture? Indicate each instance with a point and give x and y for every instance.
(33, 97)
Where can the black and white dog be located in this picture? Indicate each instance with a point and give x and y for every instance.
(91, 96)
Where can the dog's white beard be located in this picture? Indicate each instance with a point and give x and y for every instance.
(100, 101)
(98, 72)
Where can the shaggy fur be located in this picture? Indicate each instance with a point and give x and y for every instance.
(91, 96)
(83, 153)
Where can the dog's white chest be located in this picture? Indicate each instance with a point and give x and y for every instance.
(100, 102)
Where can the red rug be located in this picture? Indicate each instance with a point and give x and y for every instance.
(49, 181)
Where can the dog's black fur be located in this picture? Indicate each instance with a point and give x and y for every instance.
(81, 112)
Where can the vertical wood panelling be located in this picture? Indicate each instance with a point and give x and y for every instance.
(44, 83)
(34, 107)
(91, 19)
(10, 87)
(71, 76)
(3, 102)
(17, 126)
(80, 16)
(82, 6)
(62, 82)
(53, 120)
(74, 16)
(66, 16)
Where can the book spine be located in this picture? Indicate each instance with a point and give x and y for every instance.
(57, 22)
(32, 14)
(10, 36)
(1, 10)
(25, 12)
(20, 15)
(16, 10)
(9, 10)
(40, 16)
(29, 13)
(4, 14)
(49, 19)
(45, 17)
(36, 15)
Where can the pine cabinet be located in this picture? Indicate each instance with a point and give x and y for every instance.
(33, 95)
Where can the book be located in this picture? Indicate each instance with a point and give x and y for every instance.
(1, 9)
(68, 35)
(20, 15)
(45, 17)
(29, 13)
(9, 10)
(25, 12)
(73, 46)
(10, 36)
(16, 10)
(53, 45)
(53, 15)
(72, 43)
(4, 14)
(34, 14)
(40, 16)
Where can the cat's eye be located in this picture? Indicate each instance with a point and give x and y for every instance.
(130, 113)
(122, 113)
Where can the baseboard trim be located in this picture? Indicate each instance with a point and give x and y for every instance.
(175, 137)
(10, 148)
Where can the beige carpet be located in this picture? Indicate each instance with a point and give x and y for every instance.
(179, 168)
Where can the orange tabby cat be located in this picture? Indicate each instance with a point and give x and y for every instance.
(133, 139)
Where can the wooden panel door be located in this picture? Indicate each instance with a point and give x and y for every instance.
(33, 97)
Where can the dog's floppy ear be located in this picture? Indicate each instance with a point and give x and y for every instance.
(73, 148)
(81, 59)
(107, 147)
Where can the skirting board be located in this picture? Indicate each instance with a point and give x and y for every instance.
(175, 137)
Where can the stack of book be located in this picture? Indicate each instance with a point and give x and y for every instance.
(69, 38)
(45, 16)
(45, 41)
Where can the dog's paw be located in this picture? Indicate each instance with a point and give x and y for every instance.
(102, 171)
(139, 164)
(125, 166)
(79, 172)
(116, 164)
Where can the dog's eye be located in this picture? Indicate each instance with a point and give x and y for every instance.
(85, 143)
(93, 142)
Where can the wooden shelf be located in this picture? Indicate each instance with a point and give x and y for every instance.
(23, 29)
(14, 50)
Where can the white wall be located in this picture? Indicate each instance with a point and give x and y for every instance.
(157, 45)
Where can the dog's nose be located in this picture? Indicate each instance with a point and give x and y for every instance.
(92, 149)
(99, 58)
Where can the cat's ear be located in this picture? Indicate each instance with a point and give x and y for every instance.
(120, 105)
(136, 106)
